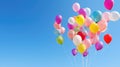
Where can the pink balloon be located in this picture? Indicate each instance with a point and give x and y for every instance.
(88, 21)
(82, 12)
(62, 30)
(95, 39)
(71, 34)
(102, 25)
(57, 26)
(106, 16)
(98, 33)
(108, 4)
(76, 7)
(58, 19)
(87, 43)
(75, 25)
(91, 35)
(70, 26)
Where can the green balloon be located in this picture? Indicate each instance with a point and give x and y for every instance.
(60, 40)
(77, 29)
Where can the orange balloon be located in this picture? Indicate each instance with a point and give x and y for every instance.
(71, 34)
(57, 26)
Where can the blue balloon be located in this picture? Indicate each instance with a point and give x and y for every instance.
(96, 16)
(57, 32)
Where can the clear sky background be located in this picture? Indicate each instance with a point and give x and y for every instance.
(27, 36)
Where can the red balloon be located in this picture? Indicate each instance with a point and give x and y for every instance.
(82, 34)
(107, 38)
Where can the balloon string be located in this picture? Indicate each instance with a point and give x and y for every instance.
(82, 62)
(87, 61)
(75, 61)
(68, 57)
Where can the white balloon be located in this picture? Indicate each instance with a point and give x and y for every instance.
(88, 11)
(71, 20)
(77, 40)
(114, 16)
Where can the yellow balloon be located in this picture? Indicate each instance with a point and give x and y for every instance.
(80, 20)
(94, 28)
(81, 48)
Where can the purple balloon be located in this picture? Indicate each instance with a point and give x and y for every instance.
(74, 52)
(58, 19)
(70, 26)
(82, 12)
(85, 53)
(99, 45)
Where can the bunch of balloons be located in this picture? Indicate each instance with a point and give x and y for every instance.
(86, 27)
(59, 29)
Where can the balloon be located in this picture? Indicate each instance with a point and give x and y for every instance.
(80, 20)
(96, 16)
(77, 29)
(99, 45)
(95, 39)
(76, 7)
(81, 48)
(71, 34)
(114, 16)
(81, 28)
(85, 30)
(88, 11)
(82, 34)
(58, 19)
(107, 38)
(77, 40)
(98, 33)
(70, 26)
(102, 25)
(57, 31)
(76, 25)
(62, 30)
(82, 12)
(87, 43)
(57, 26)
(108, 4)
(60, 40)
(94, 28)
(85, 53)
(74, 52)
(106, 16)
(71, 20)
(91, 35)
(88, 21)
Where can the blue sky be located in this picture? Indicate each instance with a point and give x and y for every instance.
(27, 36)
